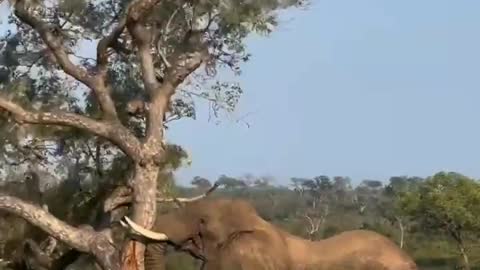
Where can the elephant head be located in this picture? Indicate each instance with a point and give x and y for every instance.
(201, 228)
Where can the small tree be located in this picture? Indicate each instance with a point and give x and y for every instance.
(231, 183)
(449, 202)
(389, 206)
(317, 194)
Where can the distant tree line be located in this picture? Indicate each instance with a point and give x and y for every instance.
(436, 219)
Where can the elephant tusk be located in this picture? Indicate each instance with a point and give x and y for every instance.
(144, 232)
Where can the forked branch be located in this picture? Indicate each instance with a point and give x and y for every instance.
(54, 42)
(107, 42)
(51, 35)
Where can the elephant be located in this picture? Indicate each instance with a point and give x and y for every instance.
(228, 234)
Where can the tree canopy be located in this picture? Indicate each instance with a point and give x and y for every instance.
(448, 202)
(95, 84)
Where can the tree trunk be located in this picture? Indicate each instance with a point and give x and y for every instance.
(461, 247)
(144, 208)
(402, 231)
(462, 250)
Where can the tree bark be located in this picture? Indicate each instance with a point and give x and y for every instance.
(81, 238)
(457, 236)
(402, 231)
(144, 211)
(463, 252)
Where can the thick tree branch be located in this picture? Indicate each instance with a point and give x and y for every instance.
(142, 38)
(83, 238)
(139, 8)
(182, 66)
(120, 196)
(111, 131)
(74, 237)
(107, 42)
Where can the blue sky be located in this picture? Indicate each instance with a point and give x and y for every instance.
(366, 89)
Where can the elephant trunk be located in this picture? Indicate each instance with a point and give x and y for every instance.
(155, 256)
(172, 227)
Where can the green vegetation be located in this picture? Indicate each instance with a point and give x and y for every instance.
(434, 219)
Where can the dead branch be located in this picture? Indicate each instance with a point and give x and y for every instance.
(187, 200)
(37, 216)
(111, 131)
(120, 196)
(82, 238)
(314, 225)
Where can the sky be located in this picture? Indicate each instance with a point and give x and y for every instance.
(366, 89)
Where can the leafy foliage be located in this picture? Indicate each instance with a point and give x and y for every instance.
(447, 201)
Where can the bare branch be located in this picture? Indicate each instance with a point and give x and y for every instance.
(75, 237)
(187, 200)
(182, 66)
(82, 238)
(162, 39)
(109, 41)
(142, 38)
(120, 196)
(123, 195)
(115, 132)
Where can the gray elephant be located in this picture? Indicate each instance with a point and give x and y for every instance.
(228, 234)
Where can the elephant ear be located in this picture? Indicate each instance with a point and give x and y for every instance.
(226, 222)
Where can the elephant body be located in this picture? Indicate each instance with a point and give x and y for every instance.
(228, 234)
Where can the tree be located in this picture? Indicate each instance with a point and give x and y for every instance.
(263, 181)
(318, 194)
(148, 53)
(389, 206)
(342, 186)
(449, 202)
(201, 183)
(230, 182)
